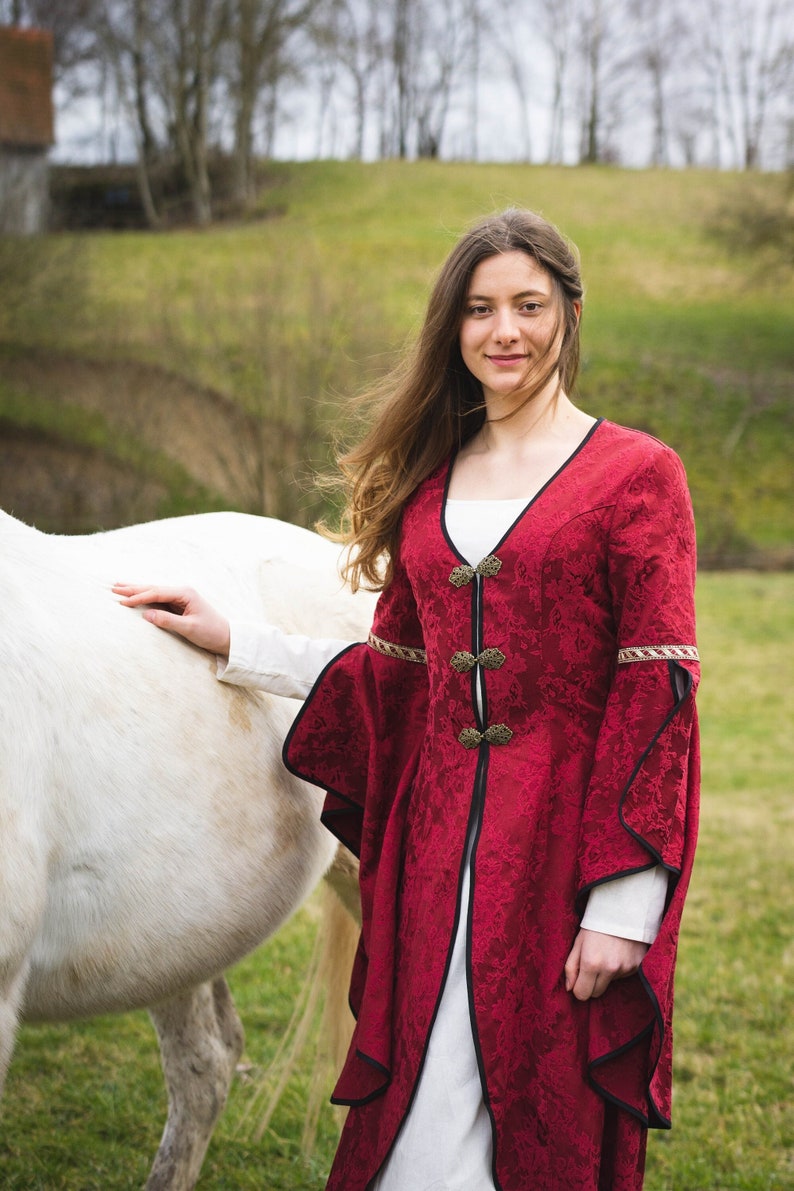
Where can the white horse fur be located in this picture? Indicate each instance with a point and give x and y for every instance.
(149, 834)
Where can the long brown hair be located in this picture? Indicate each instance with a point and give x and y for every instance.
(430, 405)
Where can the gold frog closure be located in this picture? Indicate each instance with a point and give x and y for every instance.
(487, 567)
(470, 738)
(489, 659)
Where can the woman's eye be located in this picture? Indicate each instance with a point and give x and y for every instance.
(477, 310)
(531, 307)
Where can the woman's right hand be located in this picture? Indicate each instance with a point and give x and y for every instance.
(180, 610)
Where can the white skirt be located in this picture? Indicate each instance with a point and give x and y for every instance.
(445, 1142)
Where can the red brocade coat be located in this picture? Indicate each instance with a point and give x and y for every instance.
(582, 767)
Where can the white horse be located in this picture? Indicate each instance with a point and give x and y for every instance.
(149, 835)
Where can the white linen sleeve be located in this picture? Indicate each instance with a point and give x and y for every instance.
(263, 657)
(629, 907)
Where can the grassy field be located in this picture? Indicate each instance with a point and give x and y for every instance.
(143, 375)
(85, 1104)
(288, 313)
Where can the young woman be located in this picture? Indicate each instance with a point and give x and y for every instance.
(512, 754)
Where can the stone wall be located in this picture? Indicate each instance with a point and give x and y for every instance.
(24, 196)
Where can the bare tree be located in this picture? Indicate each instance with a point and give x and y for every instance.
(713, 81)
(352, 33)
(260, 30)
(201, 28)
(748, 51)
(165, 56)
(402, 55)
(512, 40)
(432, 47)
(444, 50)
(557, 23)
(659, 37)
(604, 60)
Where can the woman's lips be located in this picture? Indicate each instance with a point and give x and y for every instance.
(506, 361)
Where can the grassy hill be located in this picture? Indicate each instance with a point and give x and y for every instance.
(215, 365)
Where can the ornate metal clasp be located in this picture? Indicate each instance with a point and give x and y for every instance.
(487, 567)
(489, 659)
(470, 738)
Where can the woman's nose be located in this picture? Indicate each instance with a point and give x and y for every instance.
(505, 329)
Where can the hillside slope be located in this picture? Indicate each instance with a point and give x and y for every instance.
(218, 362)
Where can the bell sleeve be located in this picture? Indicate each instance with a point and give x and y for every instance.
(363, 720)
(642, 799)
(358, 736)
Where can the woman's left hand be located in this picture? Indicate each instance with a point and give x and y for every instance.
(597, 959)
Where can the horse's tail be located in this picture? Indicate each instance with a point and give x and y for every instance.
(324, 994)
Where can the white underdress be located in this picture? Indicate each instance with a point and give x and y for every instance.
(445, 1143)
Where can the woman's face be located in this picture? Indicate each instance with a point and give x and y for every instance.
(510, 321)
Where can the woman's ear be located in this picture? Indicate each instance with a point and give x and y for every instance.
(577, 309)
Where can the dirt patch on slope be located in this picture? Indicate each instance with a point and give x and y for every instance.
(244, 462)
(62, 487)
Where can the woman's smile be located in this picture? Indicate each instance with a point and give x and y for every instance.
(506, 361)
(509, 322)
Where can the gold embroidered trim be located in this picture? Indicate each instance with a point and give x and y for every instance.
(658, 653)
(405, 653)
(470, 738)
(489, 659)
(488, 567)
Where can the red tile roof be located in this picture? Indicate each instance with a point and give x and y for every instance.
(26, 113)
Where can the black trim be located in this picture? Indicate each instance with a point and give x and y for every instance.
(365, 1058)
(479, 692)
(598, 422)
(480, 784)
(326, 818)
(474, 677)
(474, 823)
(302, 712)
(653, 1120)
(668, 719)
(583, 893)
(443, 515)
(656, 1120)
(640, 1116)
(671, 676)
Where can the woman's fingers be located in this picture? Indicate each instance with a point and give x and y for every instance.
(180, 610)
(572, 963)
(134, 594)
(597, 959)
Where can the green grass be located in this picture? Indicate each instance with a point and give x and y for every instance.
(296, 308)
(733, 1106)
(85, 1104)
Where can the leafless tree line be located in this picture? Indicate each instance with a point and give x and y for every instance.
(678, 82)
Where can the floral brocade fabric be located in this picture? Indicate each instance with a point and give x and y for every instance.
(594, 776)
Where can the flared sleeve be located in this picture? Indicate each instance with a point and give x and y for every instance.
(358, 736)
(642, 799)
(362, 723)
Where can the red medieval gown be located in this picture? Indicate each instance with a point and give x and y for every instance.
(582, 767)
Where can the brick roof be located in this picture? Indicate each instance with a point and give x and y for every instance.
(26, 113)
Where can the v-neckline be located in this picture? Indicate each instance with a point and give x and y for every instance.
(532, 500)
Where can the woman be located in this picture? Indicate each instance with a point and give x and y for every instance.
(513, 752)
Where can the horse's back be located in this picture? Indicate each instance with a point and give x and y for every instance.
(171, 836)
